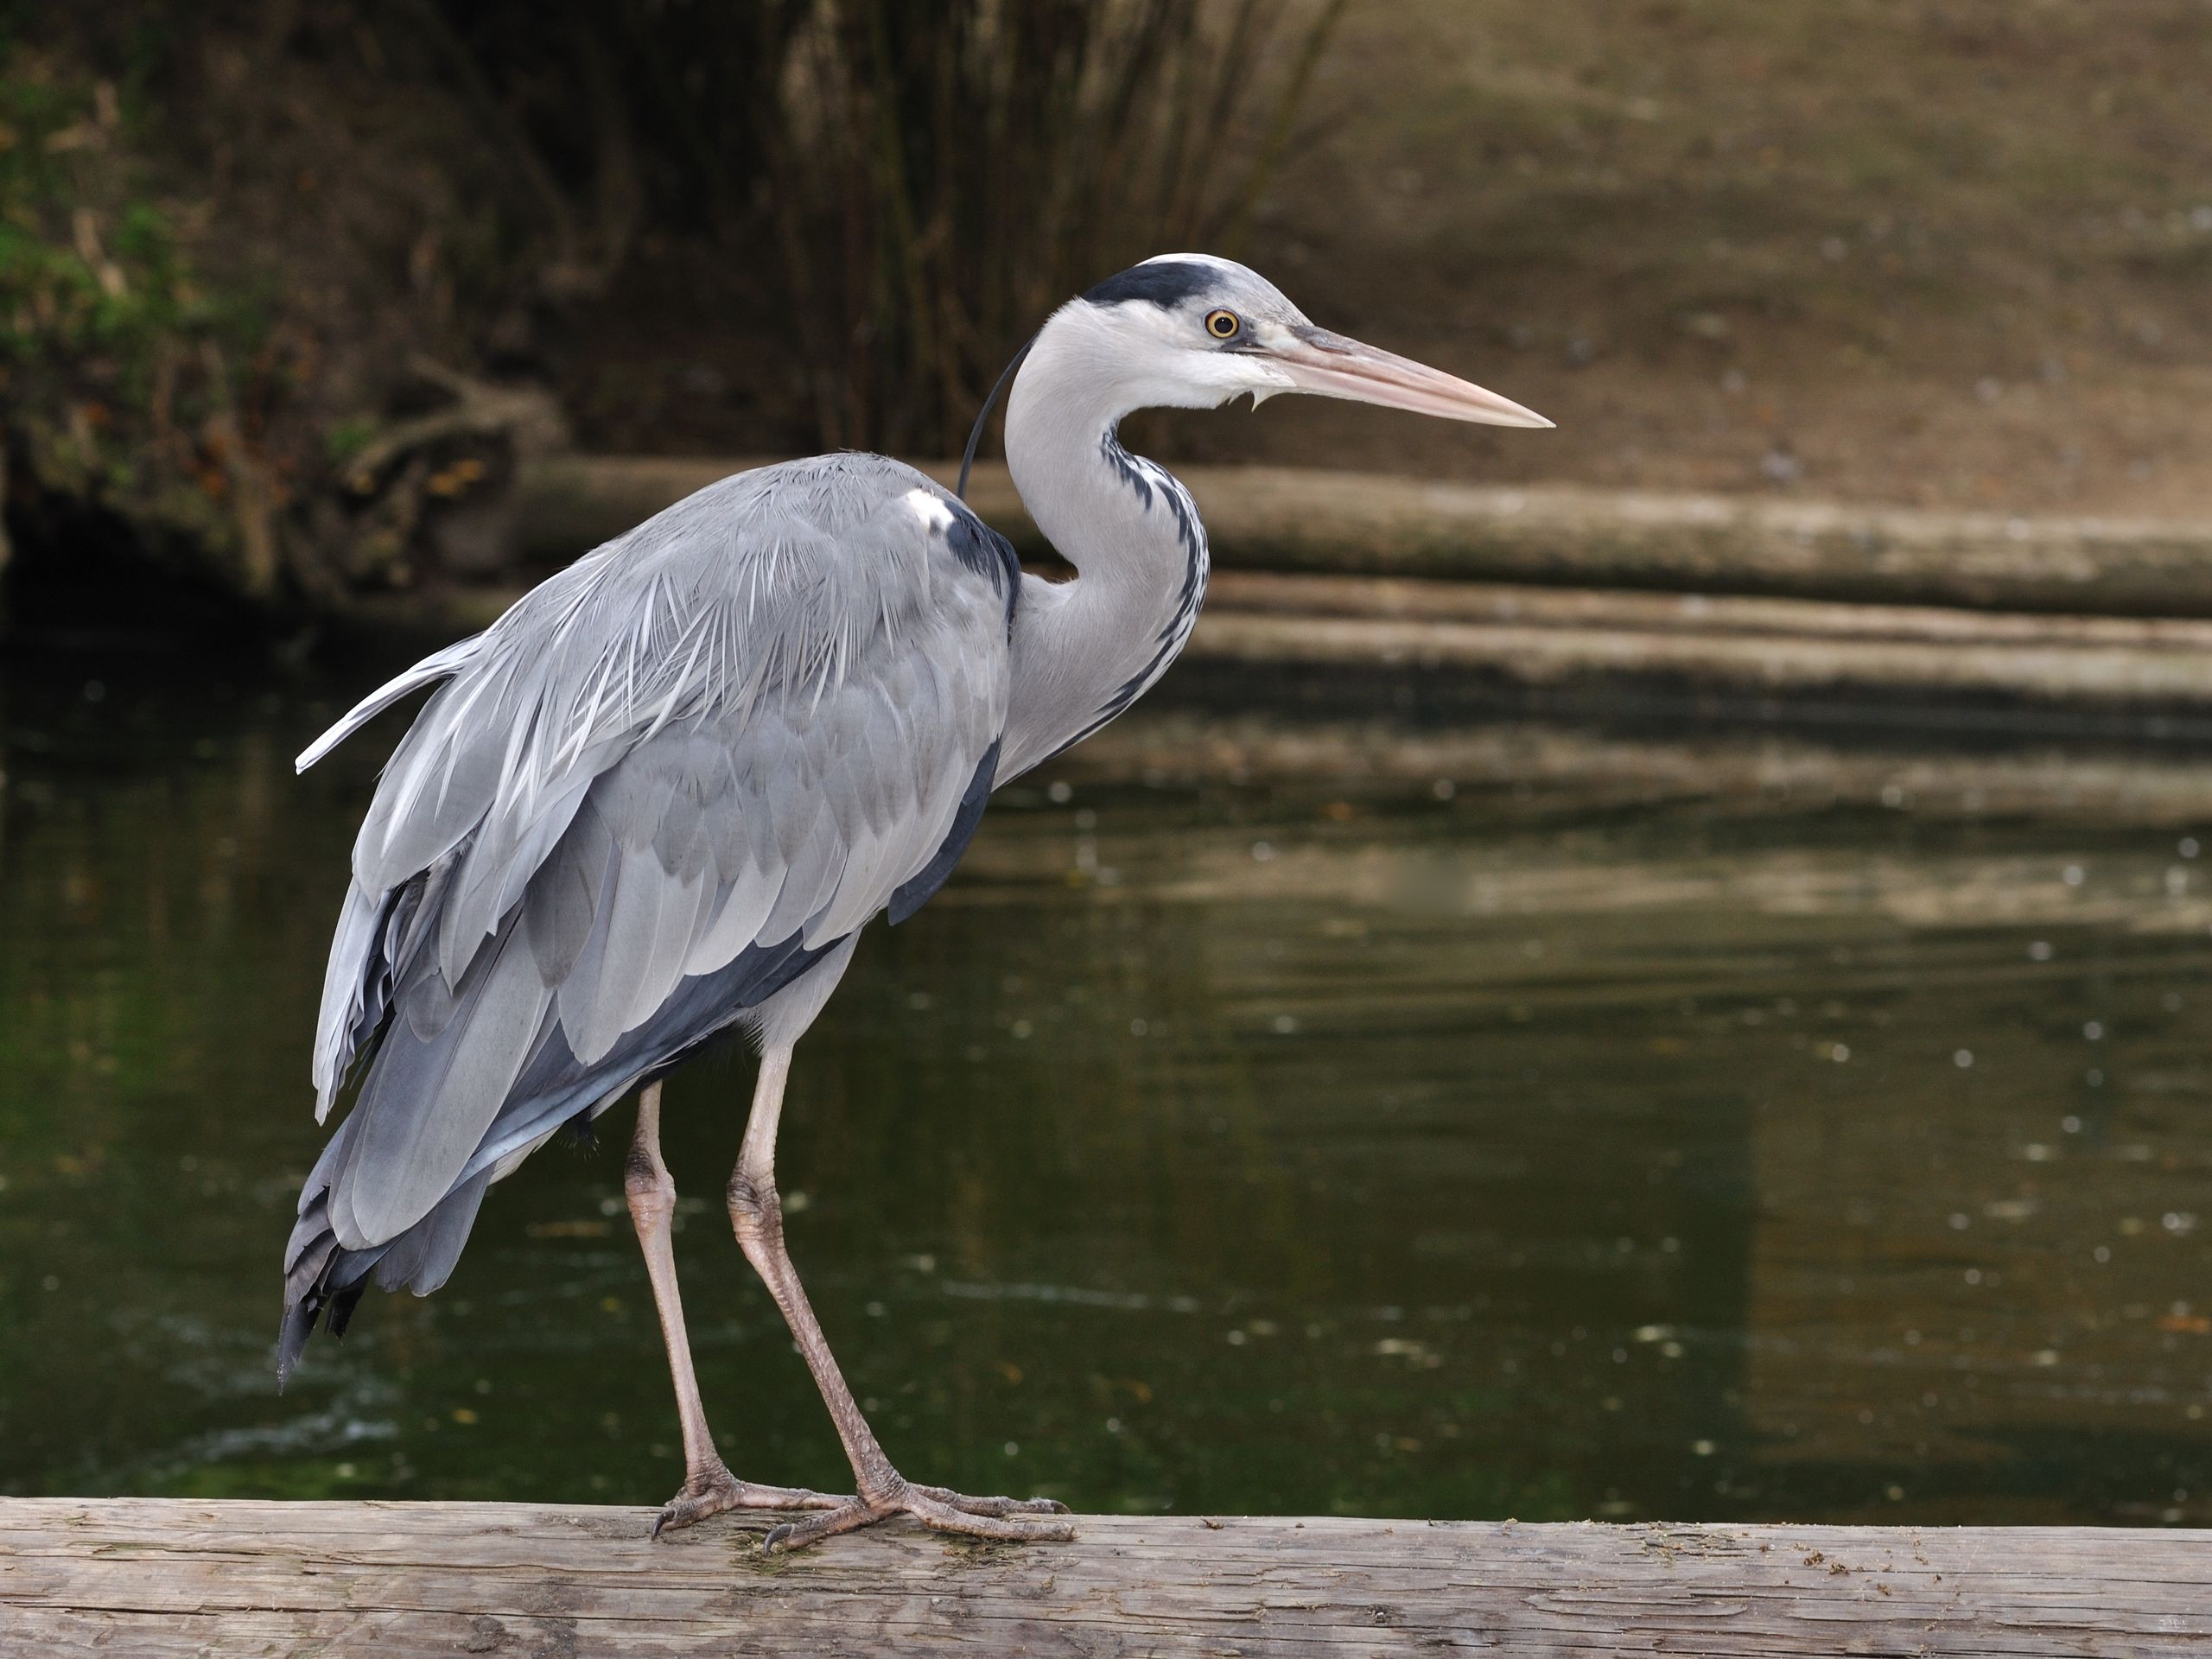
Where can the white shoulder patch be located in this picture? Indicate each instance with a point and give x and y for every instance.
(931, 510)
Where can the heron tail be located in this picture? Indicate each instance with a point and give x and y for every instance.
(323, 1279)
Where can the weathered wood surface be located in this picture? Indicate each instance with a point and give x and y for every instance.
(1296, 519)
(155, 1578)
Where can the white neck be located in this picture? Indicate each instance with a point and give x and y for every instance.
(1085, 650)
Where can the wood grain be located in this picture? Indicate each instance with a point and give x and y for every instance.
(159, 1578)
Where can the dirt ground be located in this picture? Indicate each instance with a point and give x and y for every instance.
(1938, 252)
(1949, 252)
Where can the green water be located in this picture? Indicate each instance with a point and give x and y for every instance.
(1295, 1144)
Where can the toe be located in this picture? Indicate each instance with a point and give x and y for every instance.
(788, 1497)
(696, 1502)
(1010, 1525)
(678, 1513)
(824, 1524)
(713, 1491)
(963, 1502)
(1002, 1520)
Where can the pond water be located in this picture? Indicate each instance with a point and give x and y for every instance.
(1471, 1121)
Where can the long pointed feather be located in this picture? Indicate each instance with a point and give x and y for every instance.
(430, 669)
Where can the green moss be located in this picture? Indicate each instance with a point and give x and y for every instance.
(115, 354)
(75, 279)
(347, 438)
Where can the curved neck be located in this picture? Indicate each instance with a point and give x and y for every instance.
(1085, 650)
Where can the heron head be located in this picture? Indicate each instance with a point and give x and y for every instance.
(1188, 330)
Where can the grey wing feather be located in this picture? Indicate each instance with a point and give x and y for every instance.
(353, 991)
(423, 1257)
(429, 671)
(428, 1101)
(745, 727)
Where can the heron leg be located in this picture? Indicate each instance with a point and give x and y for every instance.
(757, 1215)
(708, 1487)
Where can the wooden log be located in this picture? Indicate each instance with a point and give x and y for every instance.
(155, 1578)
(1285, 519)
(1280, 519)
(1399, 598)
(1574, 765)
(1542, 636)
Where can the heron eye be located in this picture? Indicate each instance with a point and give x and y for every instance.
(1222, 325)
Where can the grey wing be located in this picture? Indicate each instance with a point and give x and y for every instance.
(687, 766)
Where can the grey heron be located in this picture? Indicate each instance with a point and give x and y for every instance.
(658, 799)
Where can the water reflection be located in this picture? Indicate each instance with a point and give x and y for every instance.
(1495, 1120)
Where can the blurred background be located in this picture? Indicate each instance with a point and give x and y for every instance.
(1651, 969)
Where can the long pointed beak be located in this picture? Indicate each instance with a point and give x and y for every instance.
(1333, 367)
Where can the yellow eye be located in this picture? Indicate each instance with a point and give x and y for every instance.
(1222, 325)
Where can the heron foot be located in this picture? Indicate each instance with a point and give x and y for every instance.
(712, 1489)
(1002, 1520)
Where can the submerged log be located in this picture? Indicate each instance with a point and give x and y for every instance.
(1542, 636)
(1577, 767)
(1284, 519)
(153, 1578)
